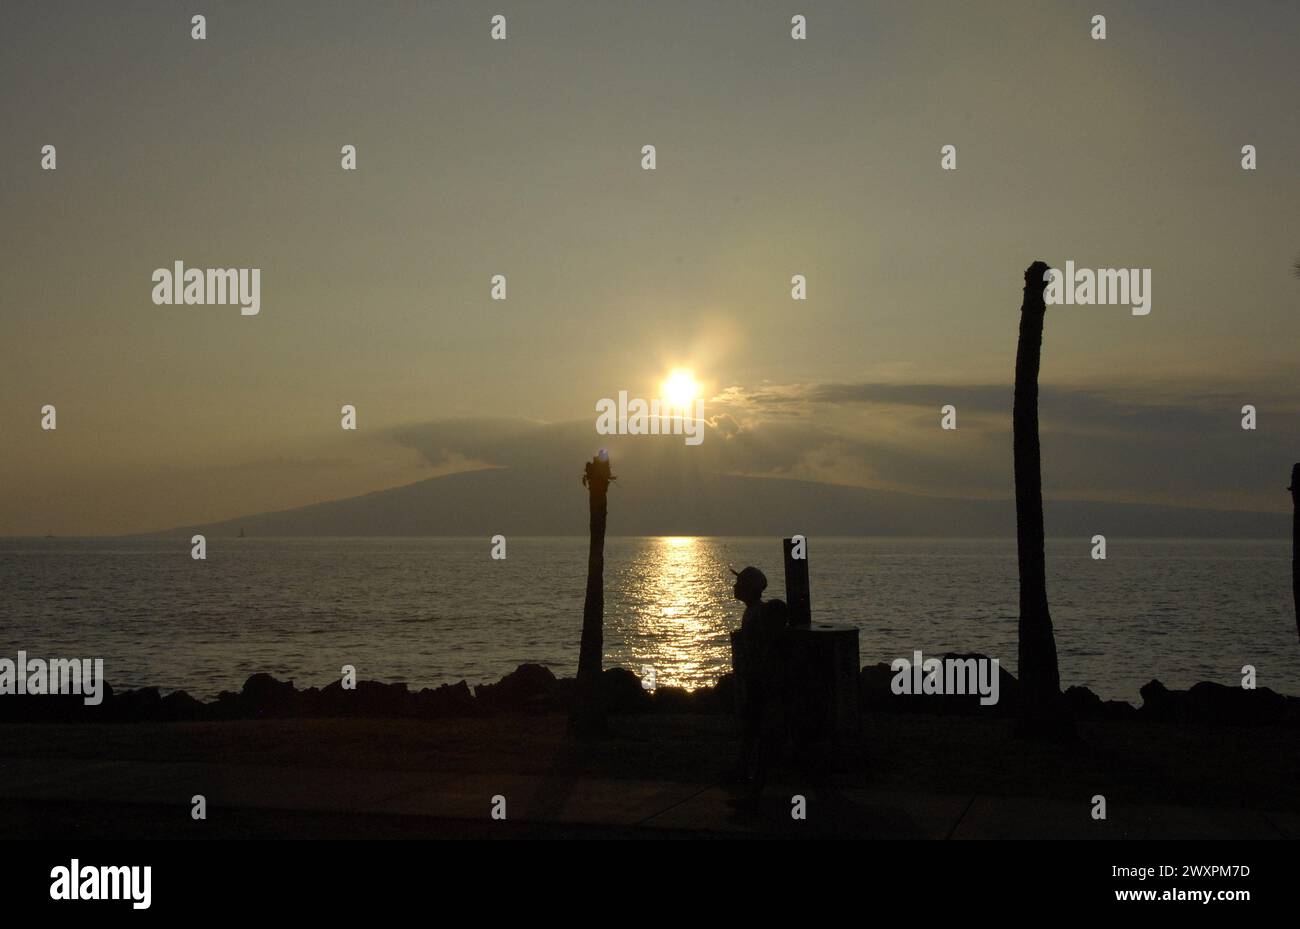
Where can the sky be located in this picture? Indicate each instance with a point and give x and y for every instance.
(522, 157)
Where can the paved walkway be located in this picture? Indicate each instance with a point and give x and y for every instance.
(655, 806)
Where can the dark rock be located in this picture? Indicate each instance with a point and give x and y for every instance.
(1208, 703)
(532, 688)
(264, 696)
(309, 703)
(226, 706)
(1215, 703)
(566, 691)
(1118, 709)
(179, 705)
(136, 705)
(1162, 704)
(382, 701)
(368, 698)
(876, 693)
(675, 699)
(1082, 703)
(529, 687)
(717, 699)
(334, 701)
(447, 700)
(621, 691)
(722, 698)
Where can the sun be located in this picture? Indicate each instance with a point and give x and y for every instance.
(679, 390)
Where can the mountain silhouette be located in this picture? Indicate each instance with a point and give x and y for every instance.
(525, 501)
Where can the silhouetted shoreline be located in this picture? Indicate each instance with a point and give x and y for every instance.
(532, 689)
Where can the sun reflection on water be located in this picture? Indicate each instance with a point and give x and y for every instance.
(674, 615)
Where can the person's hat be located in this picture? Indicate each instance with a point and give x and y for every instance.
(751, 577)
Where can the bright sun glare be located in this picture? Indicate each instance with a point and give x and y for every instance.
(679, 389)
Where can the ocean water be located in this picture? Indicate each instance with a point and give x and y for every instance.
(435, 610)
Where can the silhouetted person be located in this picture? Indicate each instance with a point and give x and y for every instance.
(759, 667)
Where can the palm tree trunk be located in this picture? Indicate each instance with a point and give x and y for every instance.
(589, 712)
(1040, 682)
(1295, 542)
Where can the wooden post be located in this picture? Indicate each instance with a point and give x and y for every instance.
(589, 711)
(797, 595)
(1295, 542)
(1040, 682)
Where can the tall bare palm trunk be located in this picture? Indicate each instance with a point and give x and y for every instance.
(589, 711)
(1040, 681)
(1295, 542)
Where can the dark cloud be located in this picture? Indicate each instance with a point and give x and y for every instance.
(887, 436)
